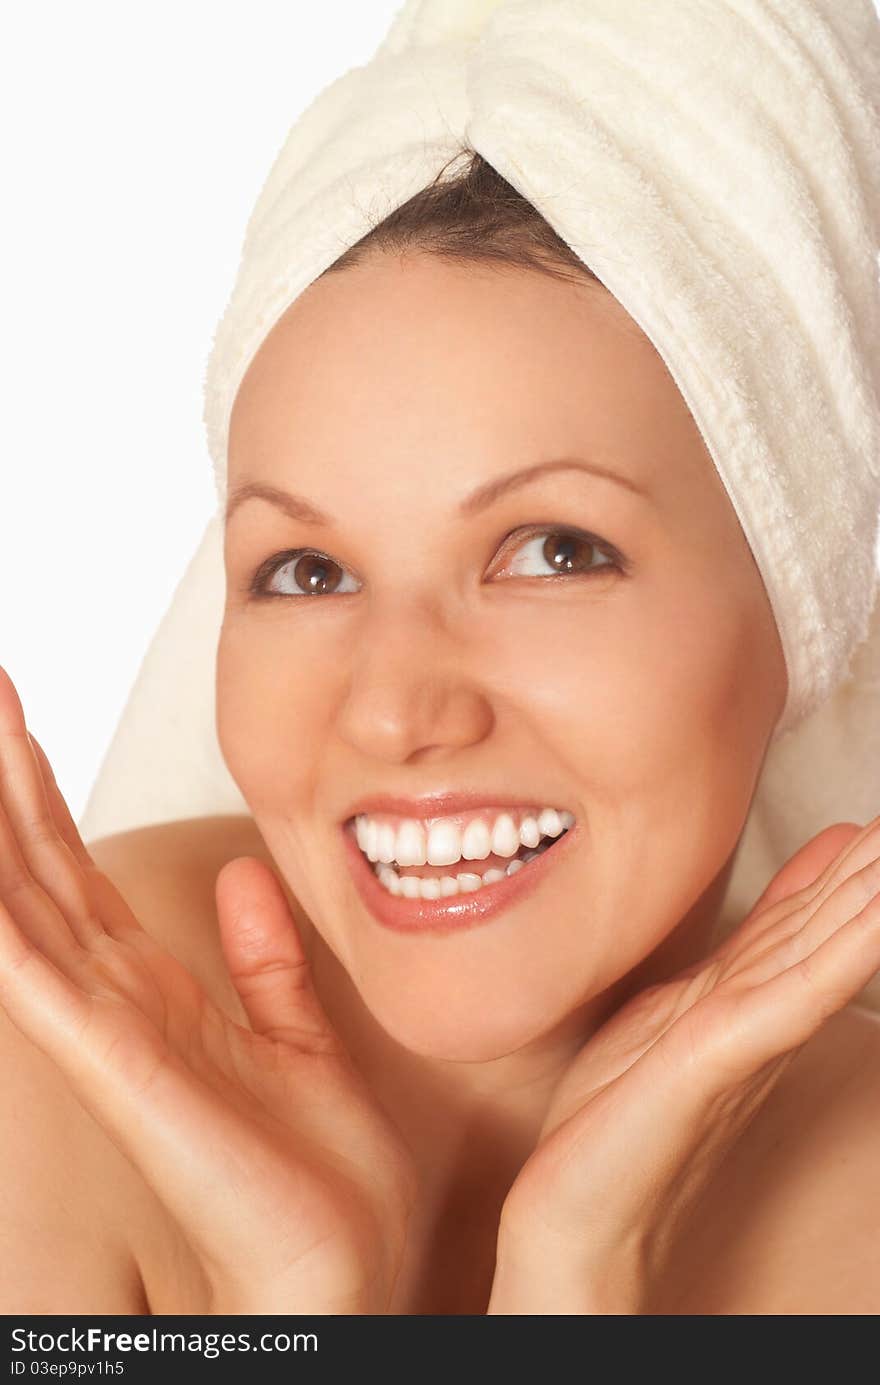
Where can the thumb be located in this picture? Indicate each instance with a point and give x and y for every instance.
(265, 957)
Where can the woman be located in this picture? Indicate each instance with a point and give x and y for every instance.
(486, 598)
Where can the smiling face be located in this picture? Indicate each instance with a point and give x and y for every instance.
(599, 646)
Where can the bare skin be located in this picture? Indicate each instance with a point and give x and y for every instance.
(642, 699)
(788, 1227)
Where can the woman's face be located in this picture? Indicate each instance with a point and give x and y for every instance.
(637, 688)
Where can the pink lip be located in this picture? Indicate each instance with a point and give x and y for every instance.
(460, 911)
(438, 805)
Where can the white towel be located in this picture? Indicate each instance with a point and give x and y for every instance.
(717, 164)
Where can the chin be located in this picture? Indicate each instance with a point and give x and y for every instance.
(432, 1027)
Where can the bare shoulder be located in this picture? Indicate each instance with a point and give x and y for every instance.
(195, 841)
(190, 850)
(794, 1225)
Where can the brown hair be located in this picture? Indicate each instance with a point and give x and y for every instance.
(472, 215)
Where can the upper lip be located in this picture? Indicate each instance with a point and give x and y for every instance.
(438, 805)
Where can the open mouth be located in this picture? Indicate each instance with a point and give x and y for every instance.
(454, 872)
(466, 877)
(438, 899)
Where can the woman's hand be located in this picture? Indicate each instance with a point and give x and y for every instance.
(290, 1185)
(644, 1116)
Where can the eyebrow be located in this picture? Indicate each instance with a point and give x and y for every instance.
(297, 507)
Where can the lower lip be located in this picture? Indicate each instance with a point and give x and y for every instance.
(405, 915)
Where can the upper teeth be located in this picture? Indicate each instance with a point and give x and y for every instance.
(442, 841)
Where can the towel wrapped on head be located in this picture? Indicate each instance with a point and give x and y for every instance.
(716, 164)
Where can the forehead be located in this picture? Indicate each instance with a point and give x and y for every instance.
(437, 359)
(386, 297)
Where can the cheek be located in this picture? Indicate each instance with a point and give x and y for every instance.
(273, 708)
(684, 743)
(663, 680)
(647, 698)
(625, 684)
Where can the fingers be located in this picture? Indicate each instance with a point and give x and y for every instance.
(860, 852)
(37, 866)
(42, 1002)
(832, 856)
(801, 873)
(266, 960)
(64, 823)
(786, 947)
(21, 781)
(841, 903)
(786, 1009)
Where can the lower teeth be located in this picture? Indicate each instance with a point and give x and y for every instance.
(443, 886)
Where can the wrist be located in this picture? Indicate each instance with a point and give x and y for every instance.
(252, 1305)
(292, 1300)
(544, 1275)
(542, 1287)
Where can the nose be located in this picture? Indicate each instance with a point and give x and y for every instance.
(414, 690)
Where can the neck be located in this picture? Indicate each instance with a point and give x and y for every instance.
(438, 1105)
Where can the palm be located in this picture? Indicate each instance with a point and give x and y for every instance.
(668, 1083)
(262, 1141)
(268, 1103)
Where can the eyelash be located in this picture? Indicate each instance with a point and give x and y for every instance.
(257, 589)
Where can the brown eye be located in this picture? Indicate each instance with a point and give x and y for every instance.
(301, 573)
(562, 551)
(566, 553)
(316, 574)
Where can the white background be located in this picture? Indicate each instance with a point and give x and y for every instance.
(136, 139)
